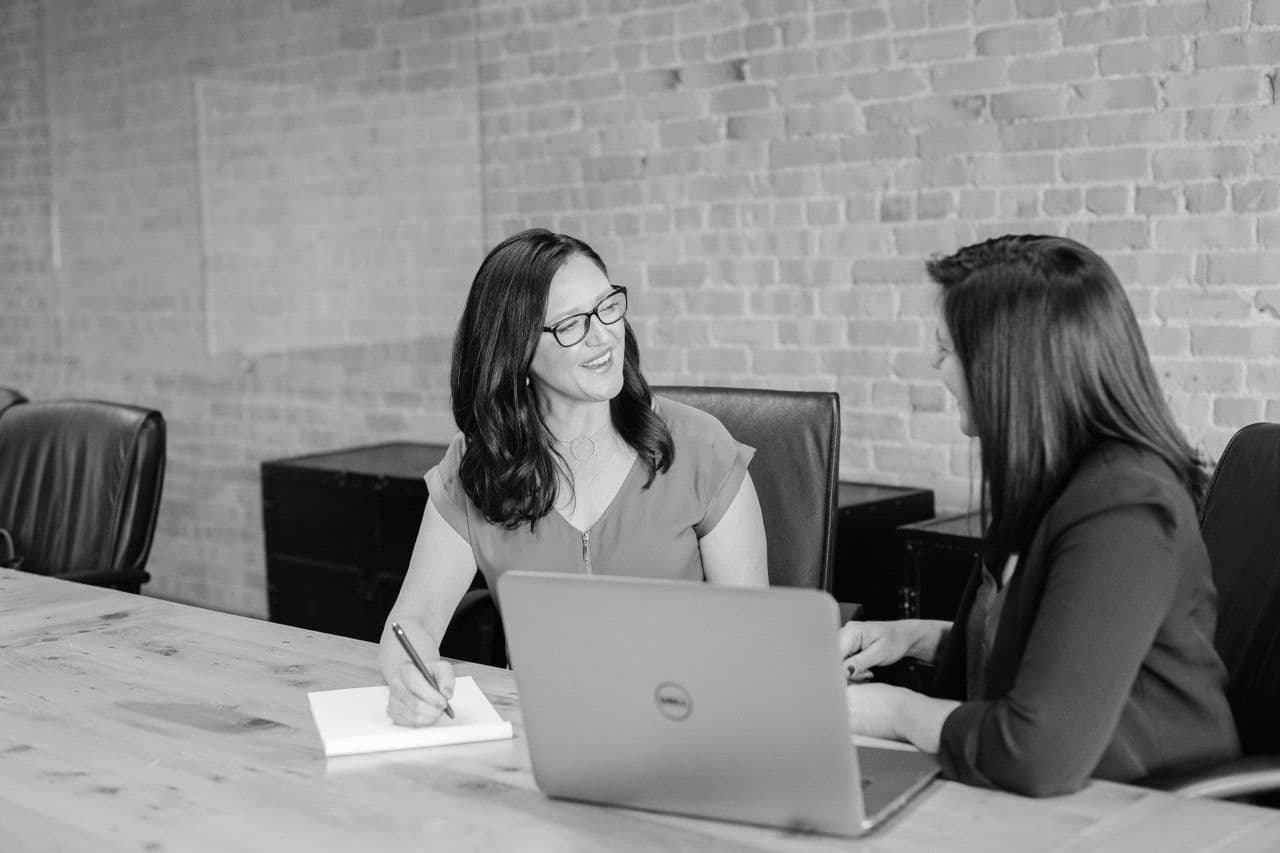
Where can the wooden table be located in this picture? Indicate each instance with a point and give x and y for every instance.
(131, 723)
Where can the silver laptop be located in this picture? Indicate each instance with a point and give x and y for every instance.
(696, 699)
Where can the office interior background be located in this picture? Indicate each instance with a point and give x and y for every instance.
(262, 218)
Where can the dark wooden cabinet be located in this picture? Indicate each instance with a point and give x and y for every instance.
(339, 530)
(937, 557)
(867, 561)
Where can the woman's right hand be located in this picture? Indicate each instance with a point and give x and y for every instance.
(864, 645)
(412, 701)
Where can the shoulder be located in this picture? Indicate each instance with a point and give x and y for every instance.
(1115, 476)
(690, 426)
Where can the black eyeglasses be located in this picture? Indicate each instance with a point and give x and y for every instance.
(574, 328)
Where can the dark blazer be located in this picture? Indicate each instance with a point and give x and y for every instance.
(1103, 662)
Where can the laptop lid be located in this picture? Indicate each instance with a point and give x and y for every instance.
(691, 698)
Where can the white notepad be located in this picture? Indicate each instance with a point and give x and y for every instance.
(355, 720)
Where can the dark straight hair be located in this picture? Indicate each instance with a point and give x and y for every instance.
(509, 465)
(1054, 363)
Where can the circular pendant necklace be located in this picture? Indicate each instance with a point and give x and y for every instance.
(584, 447)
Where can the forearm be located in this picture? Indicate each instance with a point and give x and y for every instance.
(918, 719)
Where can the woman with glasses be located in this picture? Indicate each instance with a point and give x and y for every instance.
(565, 462)
(1083, 646)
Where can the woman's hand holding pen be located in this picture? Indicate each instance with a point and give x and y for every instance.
(413, 701)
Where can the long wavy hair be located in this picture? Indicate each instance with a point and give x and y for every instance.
(510, 464)
(1054, 363)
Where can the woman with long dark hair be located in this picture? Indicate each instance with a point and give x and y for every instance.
(564, 461)
(1083, 645)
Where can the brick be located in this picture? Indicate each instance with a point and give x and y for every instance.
(1132, 128)
(1049, 134)
(711, 74)
(1205, 198)
(890, 145)
(1155, 200)
(1266, 12)
(1129, 93)
(1106, 26)
(868, 54)
(1264, 379)
(755, 126)
(1018, 168)
(741, 98)
(815, 90)
(1028, 103)
(1062, 202)
(812, 331)
(1173, 18)
(1035, 37)
(1199, 376)
(711, 360)
(1205, 232)
(924, 112)
(1233, 123)
(784, 362)
(1235, 412)
(1144, 56)
(909, 458)
(1212, 88)
(1019, 204)
(887, 84)
(940, 142)
(933, 47)
(1269, 232)
(1107, 201)
(699, 131)
(1064, 66)
(782, 64)
(856, 241)
(1187, 305)
(1107, 165)
(855, 361)
(1190, 162)
(1248, 268)
(970, 75)
(1112, 235)
(1255, 196)
(1235, 341)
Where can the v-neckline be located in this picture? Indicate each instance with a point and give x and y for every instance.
(608, 507)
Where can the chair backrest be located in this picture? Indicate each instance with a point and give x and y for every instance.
(80, 484)
(796, 470)
(10, 396)
(1240, 523)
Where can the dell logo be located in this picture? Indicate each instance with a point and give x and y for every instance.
(674, 702)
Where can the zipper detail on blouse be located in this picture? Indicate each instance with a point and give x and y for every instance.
(586, 550)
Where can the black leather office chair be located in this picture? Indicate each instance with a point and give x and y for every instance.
(1240, 522)
(796, 470)
(80, 488)
(10, 397)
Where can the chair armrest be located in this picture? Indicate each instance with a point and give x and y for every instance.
(1239, 777)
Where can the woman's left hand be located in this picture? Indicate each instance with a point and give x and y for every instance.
(874, 708)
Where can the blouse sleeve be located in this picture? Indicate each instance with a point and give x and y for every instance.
(445, 491)
(721, 470)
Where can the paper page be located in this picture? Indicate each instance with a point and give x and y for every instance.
(355, 720)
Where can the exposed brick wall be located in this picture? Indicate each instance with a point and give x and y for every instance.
(767, 175)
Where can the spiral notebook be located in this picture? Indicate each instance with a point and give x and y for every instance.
(354, 720)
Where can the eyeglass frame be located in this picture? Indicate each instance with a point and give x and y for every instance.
(594, 312)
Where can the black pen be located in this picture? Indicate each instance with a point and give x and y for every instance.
(422, 667)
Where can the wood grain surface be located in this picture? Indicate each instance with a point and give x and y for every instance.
(131, 723)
